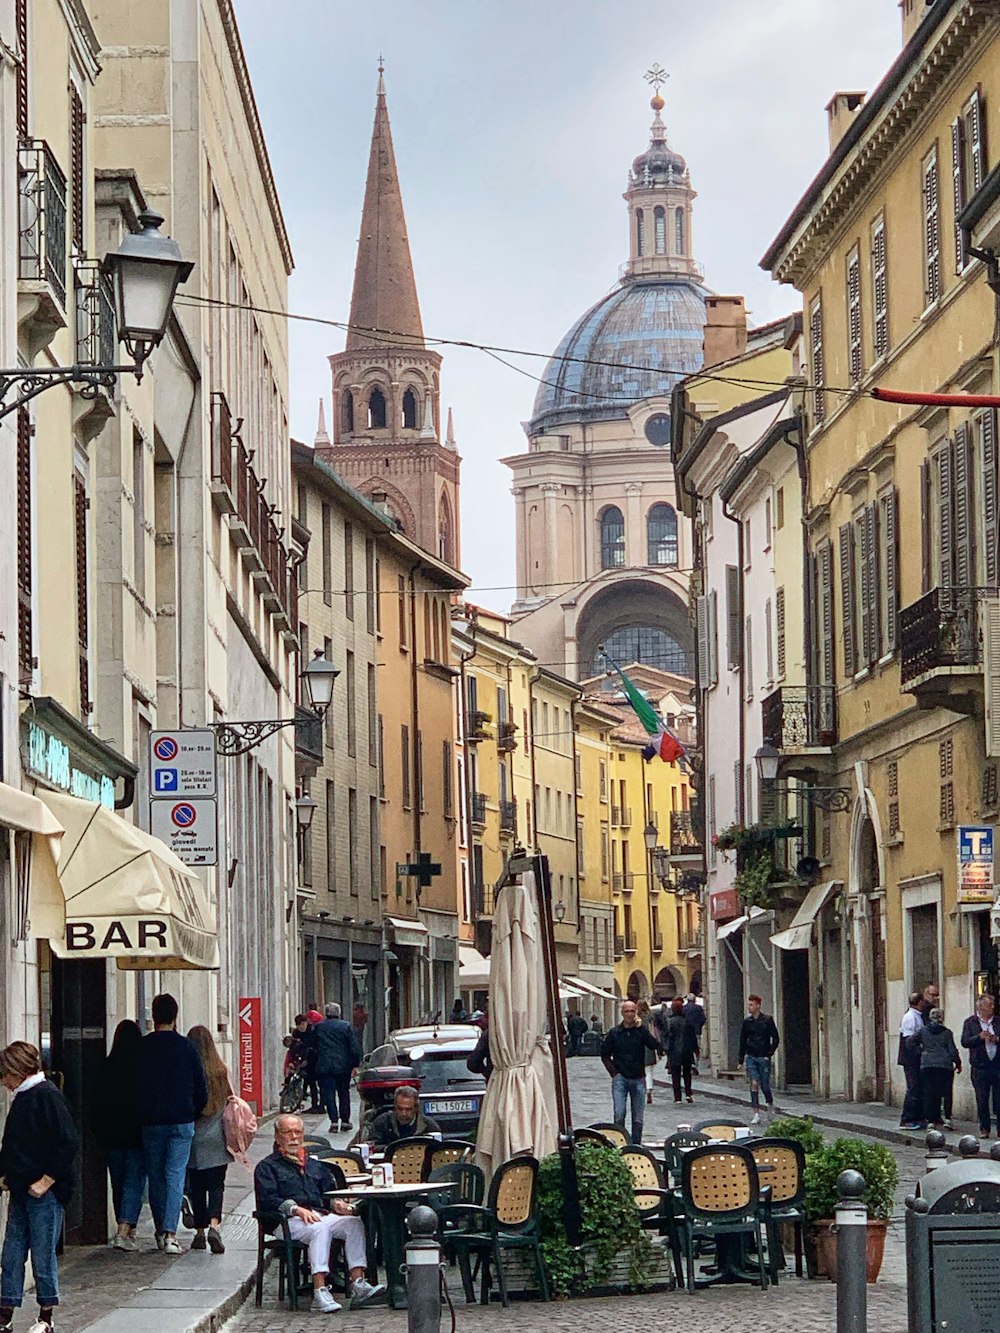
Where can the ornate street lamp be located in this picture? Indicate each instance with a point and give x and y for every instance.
(831, 799)
(305, 808)
(317, 680)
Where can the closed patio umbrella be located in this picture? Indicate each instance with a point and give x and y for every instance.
(518, 1114)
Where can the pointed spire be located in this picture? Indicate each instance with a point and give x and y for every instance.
(449, 439)
(385, 292)
(322, 440)
(428, 432)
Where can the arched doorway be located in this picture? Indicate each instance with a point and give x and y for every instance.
(668, 983)
(638, 986)
(869, 881)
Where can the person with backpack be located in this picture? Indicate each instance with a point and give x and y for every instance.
(209, 1155)
(119, 1130)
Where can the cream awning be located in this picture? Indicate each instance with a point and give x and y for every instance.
(407, 932)
(24, 813)
(585, 988)
(126, 895)
(473, 969)
(799, 934)
(731, 927)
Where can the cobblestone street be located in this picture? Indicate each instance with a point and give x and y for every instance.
(796, 1304)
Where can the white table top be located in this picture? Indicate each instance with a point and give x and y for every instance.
(381, 1191)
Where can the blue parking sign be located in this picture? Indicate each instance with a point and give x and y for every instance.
(165, 780)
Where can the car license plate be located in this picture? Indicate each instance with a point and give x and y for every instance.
(452, 1107)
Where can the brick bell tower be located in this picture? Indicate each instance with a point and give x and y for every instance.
(387, 428)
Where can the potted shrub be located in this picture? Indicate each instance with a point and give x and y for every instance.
(615, 1251)
(798, 1127)
(878, 1166)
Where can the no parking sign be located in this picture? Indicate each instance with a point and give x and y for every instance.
(189, 828)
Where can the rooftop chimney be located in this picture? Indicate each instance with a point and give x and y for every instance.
(841, 110)
(725, 329)
(913, 13)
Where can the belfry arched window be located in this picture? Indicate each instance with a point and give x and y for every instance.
(640, 232)
(679, 240)
(409, 410)
(347, 411)
(660, 229)
(376, 410)
(661, 536)
(612, 538)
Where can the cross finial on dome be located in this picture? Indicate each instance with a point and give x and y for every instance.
(656, 76)
(381, 71)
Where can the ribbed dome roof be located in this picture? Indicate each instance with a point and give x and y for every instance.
(652, 323)
(657, 165)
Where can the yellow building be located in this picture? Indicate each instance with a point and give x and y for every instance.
(901, 514)
(594, 724)
(553, 704)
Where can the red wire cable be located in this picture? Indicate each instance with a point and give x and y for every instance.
(937, 399)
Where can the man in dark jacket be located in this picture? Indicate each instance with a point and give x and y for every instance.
(404, 1121)
(981, 1038)
(338, 1055)
(758, 1042)
(172, 1095)
(576, 1026)
(623, 1053)
(680, 1043)
(294, 1185)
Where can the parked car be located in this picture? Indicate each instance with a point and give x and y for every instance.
(435, 1059)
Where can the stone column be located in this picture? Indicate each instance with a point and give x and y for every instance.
(635, 552)
(550, 490)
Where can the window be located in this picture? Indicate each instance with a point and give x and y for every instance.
(660, 230)
(447, 779)
(352, 730)
(138, 513)
(640, 232)
(352, 840)
(403, 627)
(779, 630)
(888, 570)
(816, 359)
(25, 637)
(612, 538)
(77, 121)
(679, 237)
(734, 618)
(968, 159)
(376, 410)
(869, 562)
(768, 524)
(748, 658)
(409, 410)
(372, 718)
(374, 850)
(347, 411)
(404, 747)
(602, 780)
(985, 429)
(932, 228)
(855, 356)
(370, 595)
(950, 514)
(331, 837)
(381, 756)
(604, 855)
(21, 73)
(349, 570)
(418, 759)
(327, 556)
(661, 536)
(642, 643)
(779, 508)
(880, 289)
(80, 506)
(706, 614)
(769, 641)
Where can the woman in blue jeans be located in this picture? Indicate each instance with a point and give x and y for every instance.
(36, 1164)
(119, 1130)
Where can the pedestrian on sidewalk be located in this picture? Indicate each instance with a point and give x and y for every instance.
(290, 1183)
(172, 1095)
(36, 1164)
(909, 1058)
(758, 1042)
(338, 1055)
(119, 1130)
(623, 1053)
(680, 1042)
(576, 1027)
(981, 1038)
(939, 1062)
(645, 1015)
(209, 1155)
(695, 1014)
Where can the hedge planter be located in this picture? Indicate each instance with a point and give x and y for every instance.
(826, 1248)
(618, 1280)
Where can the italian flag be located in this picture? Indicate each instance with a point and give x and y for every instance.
(664, 743)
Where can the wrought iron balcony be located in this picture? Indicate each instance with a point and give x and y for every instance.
(631, 942)
(479, 808)
(625, 815)
(95, 317)
(683, 835)
(508, 816)
(616, 816)
(619, 946)
(308, 736)
(224, 433)
(623, 881)
(657, 941)
(800, 717)
(41, 297)
(689, 939)
(940, 633)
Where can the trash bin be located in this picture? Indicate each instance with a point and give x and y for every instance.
(590, 1043)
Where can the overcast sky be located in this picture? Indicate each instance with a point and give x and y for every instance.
(514, 123)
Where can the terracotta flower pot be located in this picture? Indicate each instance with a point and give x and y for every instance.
(826, 1248)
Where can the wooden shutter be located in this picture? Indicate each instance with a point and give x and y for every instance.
(945, 498)
(977, 139)
(880, 290)
(779, 629)
(847, 601)
(963, 511)
(707, 674)
(76, 155)
(932, 231)
(864, 543)
(874, 617)
(769, 640)
(734, 618)
(988, 438)
(21, 78)
(856, 357)
(926, 500)
(816, 349)
(713, 636)
(24, 571)
(825, 566)
(959, 185)
(82, 610)
(991, 672)
(748, 660)
(889, 534)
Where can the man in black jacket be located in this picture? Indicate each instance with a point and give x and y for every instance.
(758, 1042)
(294, 1185)
(981, 1038)
(172, 1095)
(338, 1055)
(623, 1052)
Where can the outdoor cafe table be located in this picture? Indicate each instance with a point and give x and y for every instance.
(389, 1202)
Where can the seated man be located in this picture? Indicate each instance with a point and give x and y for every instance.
(293, 1184)
(404, 1121)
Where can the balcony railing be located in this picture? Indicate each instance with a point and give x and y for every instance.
(223, 444)
(308, 735)
(508, 816)
(478, 807)
(939, 632)
(800, 717)
(625, 815)
(683, 836)
(483, 899)
(95, 317)
(42, 206)
(631, 943)
(689, 938)
(619, 946)
(616, 816)
(657, 941)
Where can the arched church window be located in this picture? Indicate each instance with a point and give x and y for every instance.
(640, 232)
(347, 411)
(409, 410)
(648, 644)
(444, 531)
(660, 230)
(376, 410)
(661, 536)
(612, 538)
(679, 243)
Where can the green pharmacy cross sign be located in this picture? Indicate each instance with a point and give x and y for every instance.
(423, 869)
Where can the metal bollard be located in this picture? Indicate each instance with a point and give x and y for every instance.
(937, 1150)
(852, 1253)
(423, 1272)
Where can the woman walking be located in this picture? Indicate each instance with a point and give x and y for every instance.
(650, 1057)
(939, 1062)
(119, 1130)
(36, 1163)
(209, 1155)
(680, 1042)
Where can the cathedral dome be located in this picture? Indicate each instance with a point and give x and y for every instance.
(658, 164)
(639, 324)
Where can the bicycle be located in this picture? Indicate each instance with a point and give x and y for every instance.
(293, 1092)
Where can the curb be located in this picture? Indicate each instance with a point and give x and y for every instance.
(224, 1311)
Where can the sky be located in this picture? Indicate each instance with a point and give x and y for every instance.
(514, 124)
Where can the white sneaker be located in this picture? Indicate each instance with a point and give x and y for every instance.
(363, 1291)
(122, 1242)
(171, 1245)
(755, 1118)
(40, 1326)
(323, 1302)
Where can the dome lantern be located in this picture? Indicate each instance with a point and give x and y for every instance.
(659, 198)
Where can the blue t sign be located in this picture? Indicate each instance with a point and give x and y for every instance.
(165, 780)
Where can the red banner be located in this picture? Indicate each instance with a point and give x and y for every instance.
(251, 1053)
(725, 905)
